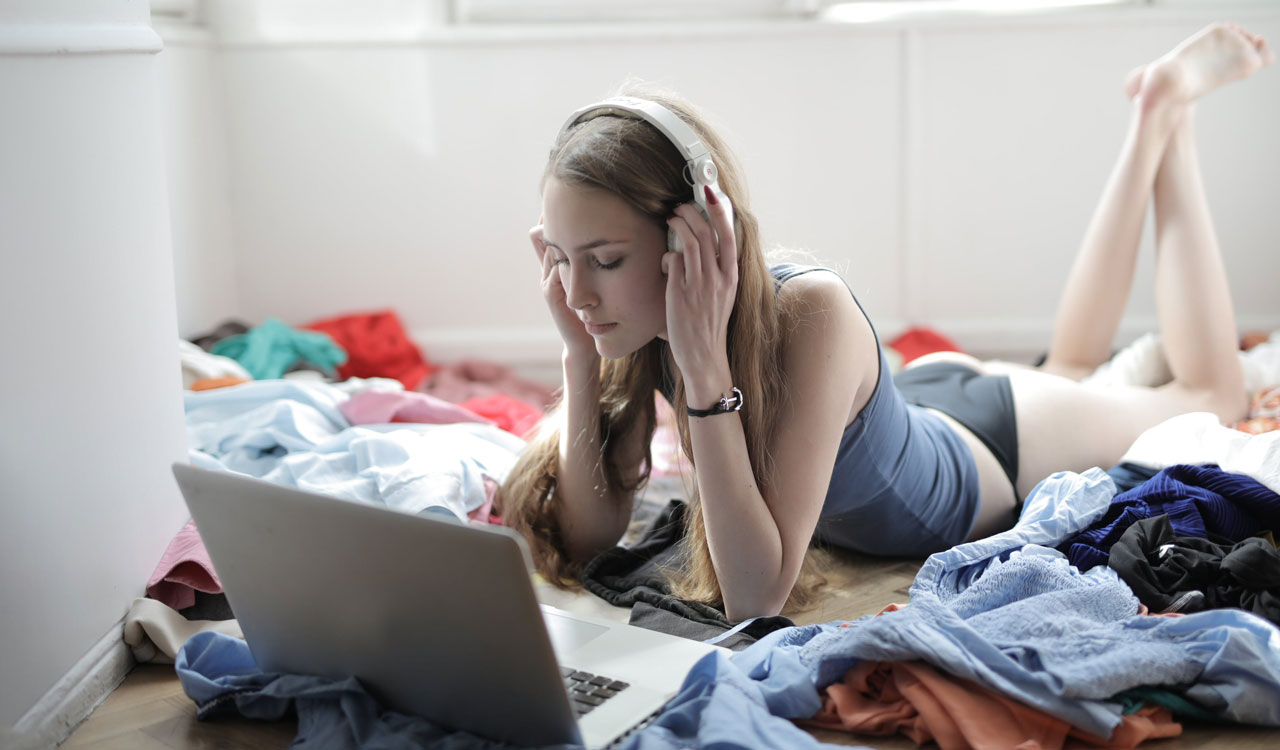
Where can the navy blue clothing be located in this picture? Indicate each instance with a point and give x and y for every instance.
(1199, 500)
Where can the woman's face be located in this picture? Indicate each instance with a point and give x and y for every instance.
(609, 257)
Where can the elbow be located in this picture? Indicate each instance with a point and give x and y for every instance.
(736, 616)
(740, 608)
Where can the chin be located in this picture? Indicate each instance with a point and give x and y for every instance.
(611, 351)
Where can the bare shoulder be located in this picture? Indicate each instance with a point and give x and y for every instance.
(831, 363)
(829, 343)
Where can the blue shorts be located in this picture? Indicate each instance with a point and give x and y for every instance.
(982, 403)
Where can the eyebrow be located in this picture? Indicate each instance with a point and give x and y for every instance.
(592, 245)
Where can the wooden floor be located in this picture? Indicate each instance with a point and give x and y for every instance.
(150, 711)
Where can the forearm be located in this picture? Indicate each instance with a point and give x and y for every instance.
(592, 515)
(742, 535)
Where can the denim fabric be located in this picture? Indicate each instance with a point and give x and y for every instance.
(722, 706)
(1127, 475)
(1065, 647)
(219, 674)
(1022, 621)
(1003, 611)
(1058, 507)
(718, 706)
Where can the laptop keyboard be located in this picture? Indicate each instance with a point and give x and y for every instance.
(586, 690)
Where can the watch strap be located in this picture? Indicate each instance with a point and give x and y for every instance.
(729, 402)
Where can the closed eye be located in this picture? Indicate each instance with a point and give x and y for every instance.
(594, 262)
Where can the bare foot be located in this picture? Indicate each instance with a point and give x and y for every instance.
(1215, 56)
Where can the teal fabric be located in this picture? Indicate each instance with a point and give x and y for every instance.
(1135, 698)
(271, 349)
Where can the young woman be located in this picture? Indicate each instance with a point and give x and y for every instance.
(827, 444)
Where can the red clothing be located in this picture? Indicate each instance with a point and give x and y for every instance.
(510, 414)
(918, 342)
(377, 347)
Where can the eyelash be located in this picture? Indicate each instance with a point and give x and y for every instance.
(596, 263)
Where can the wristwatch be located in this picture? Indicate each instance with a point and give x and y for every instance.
(729, 402)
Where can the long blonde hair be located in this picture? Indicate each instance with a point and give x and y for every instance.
(631, 159)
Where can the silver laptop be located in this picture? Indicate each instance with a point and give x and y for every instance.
(436, 618)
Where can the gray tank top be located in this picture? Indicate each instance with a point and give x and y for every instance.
(904, 483)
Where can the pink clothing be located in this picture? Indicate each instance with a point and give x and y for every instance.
(477, 378)
(668, 461)
(184, 568)
(382, 407)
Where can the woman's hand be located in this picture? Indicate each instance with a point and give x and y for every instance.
(702, 284)
(577, 342)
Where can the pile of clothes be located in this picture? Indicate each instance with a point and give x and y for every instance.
(1004, 641)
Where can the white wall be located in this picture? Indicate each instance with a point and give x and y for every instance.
(199, 178)
(90, 387)
(949, 167)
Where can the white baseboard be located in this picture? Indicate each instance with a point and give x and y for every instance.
(534, 353)
(70, 701)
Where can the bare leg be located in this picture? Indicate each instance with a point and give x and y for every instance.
(1063, 425)
(1192, 295)
(1097, 288)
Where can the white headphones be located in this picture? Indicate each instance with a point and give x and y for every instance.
(699, 170)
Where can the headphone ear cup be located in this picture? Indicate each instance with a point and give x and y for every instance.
(673, 241)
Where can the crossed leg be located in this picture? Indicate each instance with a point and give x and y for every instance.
(1065, 425)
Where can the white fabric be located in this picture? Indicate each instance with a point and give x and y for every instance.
(1198, 438)
(198, 364)
(1140, 363)
(1144, 363)
(1262, 364)
(155, 632)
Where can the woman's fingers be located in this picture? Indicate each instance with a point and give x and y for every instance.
(720, 213)
(673, 269)
(702, 230)
(535, 237)
(548, 265)
(692, 263)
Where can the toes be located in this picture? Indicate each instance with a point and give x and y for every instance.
(1264, 50)
(1267, 54)
(1133, 81)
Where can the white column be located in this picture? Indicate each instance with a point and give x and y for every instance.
(90, 388)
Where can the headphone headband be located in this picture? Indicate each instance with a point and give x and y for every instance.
(699, 169)
(667, 122)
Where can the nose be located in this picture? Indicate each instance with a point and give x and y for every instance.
(578, 294)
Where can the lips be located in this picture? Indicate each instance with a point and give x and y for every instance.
(595, 329)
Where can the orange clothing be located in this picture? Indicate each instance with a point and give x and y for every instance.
(918, 701)
(208, 384)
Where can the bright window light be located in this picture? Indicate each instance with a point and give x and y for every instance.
(863, 12)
